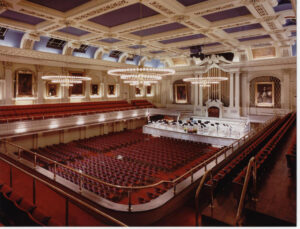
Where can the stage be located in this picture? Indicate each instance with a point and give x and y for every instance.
(218, 132)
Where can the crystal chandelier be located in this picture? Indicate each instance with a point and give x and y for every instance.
(66, 81)
(143, 75)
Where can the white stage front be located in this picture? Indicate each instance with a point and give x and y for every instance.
(218, 132)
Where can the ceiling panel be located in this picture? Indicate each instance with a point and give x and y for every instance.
(124, 15)
(13, 15)
(159, 29)
(60, 5)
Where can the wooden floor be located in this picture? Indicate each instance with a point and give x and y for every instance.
(277, 195)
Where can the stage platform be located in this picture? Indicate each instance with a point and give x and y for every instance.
(218, 132)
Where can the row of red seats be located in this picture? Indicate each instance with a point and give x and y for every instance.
(142, 104)
(291, 154)
(111, 141)
(20, 212)
(265, 154)
(227, 173)
(42, 111)
(130, 165)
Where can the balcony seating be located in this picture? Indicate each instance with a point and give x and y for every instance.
(43, 111)
(142, 104)
(20, 211)
(264, 156)
(229, 171)
(291, 155)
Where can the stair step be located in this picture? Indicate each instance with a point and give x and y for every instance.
(223, 211)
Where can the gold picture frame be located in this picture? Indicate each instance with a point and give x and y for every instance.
(264, 94)
(181, 93)
(78, 88)
(25, 82)
(52, 89)
(95, 89)
(111, 90)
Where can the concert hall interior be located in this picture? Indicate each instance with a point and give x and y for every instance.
(148, 113)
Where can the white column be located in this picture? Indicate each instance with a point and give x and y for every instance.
(200, 96)
(9, 86)
(196, 95)
(237, 90)
(231, 90)
(40, 88)
(87, 90)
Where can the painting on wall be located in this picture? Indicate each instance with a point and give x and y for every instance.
(24, 83)
(95, 89)
(181, 93)
(52, 89)
(264, 94)
(111, 90)
(77, 88)
(138, 91)
(149, 90)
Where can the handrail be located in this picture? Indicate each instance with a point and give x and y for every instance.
(198, 192)
(174, 182)
(251, 167)
(67, 195)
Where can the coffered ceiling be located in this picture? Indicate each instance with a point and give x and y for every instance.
(158, 29)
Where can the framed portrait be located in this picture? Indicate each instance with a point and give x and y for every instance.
(52, 89)
(149, 90)
(138, 91)
(264, 94)
(180, 93)
(111, 90)
(77, 88)
(95, 89)
(24, 83)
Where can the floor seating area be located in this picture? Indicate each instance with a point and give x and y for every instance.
(42, 111)
(18, 211)
(127, 158)
(142, 104)
(80, 149)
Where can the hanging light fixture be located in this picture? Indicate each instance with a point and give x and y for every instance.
(141, 74)
(214, 74)
(66, 80)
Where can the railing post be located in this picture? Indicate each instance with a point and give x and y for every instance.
(67, 211)
(205, 167)
(80, 181)
(54, 174)
(192, 177)
(33, 191)
(19, 153)
(211, 191)
(129, 199)
(225, 154)
(216, 159)
(175, 189)
(254, 198)
(34, 163)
